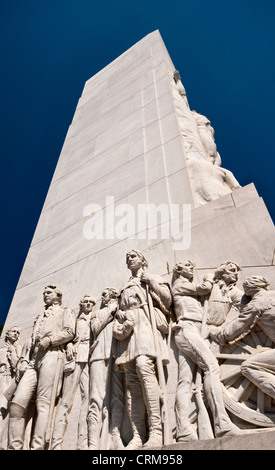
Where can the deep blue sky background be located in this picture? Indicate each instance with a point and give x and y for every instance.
(224, 50)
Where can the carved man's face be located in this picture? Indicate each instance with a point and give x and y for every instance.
(50, 296)
(134, 261)
(105, 297)
(230, 275)
(86, 304)
(187, 269)
(13, 334)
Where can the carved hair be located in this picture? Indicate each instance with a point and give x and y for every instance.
(113, 292)
(10, 329)
(177, 270)
(87, 295)
(222, 268)
(256, 282)
(57, 291)
(140, 255)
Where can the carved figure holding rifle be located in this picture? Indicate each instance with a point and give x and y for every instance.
(143, 296)
(194, 351)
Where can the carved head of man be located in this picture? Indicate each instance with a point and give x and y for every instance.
(108, 294)
(228, 272)
(184, 269)
(86, 304)
(13, 334)
(135, 260)
(52, 295)
(254, 284)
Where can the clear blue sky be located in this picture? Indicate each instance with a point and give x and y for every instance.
(224, 50)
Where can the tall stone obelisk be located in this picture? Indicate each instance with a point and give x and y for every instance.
(133, 140)
(134, 143)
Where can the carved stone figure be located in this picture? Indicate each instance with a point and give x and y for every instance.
(259, 368)
(209, 180)
(144, 306)
(207, 134)
(76, 374)
(194, 350)
(9, 356)
(41, 371)
(106, 398)
(224, 294)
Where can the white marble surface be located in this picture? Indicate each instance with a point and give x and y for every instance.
(125, 141)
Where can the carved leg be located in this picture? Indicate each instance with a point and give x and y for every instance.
(18, 407)
(151, 393)
(117, 408)
(16, 427)
(62, 415)
(185, 430)
(98, 370)
(136, 407)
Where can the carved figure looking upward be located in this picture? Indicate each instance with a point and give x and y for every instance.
(143, 346)
(194, 350)
(224, 294)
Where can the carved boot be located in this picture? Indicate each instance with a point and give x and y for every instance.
(93, 435)
(57, 438)
(39, 441)
(117, 443)
(152, 400)
(137, 413)
(185, 430)
(16, 427)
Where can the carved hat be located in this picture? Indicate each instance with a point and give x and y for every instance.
(255, 282)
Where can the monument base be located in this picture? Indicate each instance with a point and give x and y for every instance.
(250, 440)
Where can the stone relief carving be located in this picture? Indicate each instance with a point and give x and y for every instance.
(76, 374)
(41, 371)
(118, 358)
(209, 180)
(194, 351)
(9, 357)
(258, 311)
(106, 398)
(143, 297)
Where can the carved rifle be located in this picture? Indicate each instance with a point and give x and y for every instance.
(105, 430)
(167, 433)
(56, 383)
(204, 424)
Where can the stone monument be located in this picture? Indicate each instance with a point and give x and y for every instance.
(139, 191)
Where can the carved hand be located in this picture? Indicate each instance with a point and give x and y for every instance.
(44, 343)
(145, 277)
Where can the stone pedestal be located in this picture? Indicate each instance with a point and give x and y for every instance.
(262, 440)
